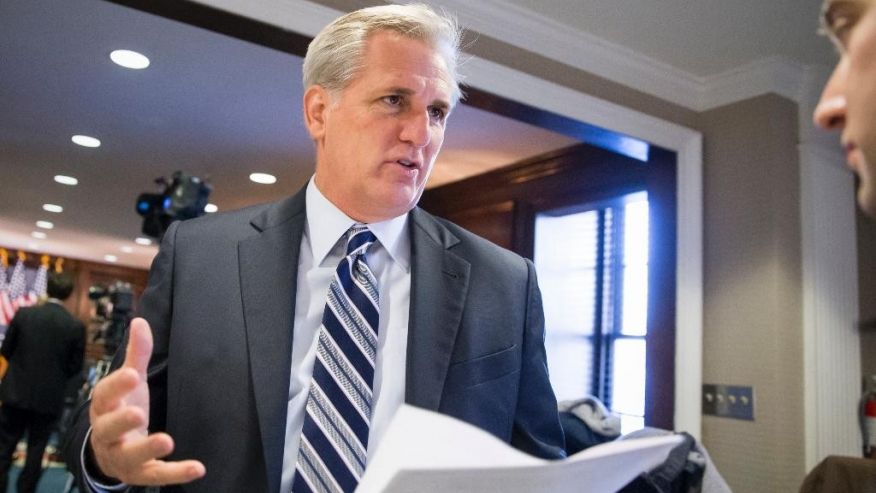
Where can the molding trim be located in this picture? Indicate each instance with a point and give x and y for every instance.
(775, 74)
(531, 31)
(299, 16)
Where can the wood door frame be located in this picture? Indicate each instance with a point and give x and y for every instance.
(572, 177)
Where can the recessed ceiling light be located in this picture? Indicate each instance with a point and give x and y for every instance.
(127, 249)
(129, 59)
(263, 178)
(85, 141)
(45, 224)
(143, 241)
(53, 208)
(66, 180)
(39, 235)
(211, 208)
(110, 258)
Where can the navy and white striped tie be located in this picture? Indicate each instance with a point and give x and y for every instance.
(334, 440)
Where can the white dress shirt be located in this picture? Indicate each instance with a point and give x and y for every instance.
(323, 245)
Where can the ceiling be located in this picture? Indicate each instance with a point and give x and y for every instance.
(220, 108)
(209, 105)
(701, 37)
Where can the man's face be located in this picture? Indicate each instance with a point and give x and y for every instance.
(848, 102)
(377, 139)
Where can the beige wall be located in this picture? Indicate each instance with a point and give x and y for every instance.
(752, 290)
(752, 263)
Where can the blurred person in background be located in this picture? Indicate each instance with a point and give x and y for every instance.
(45, 347)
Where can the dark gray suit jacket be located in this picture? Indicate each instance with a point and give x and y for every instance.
(221, 303)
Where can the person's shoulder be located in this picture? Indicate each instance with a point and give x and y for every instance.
(58, 309)
(26, 312)
(239, 223)
(33, 310)
(224, 222)
(473, 247)
(34, 314)
(67, 319)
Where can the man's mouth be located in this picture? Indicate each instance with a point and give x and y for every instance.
(849, 148)
(408, 163)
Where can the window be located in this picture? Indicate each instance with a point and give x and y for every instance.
(593, 274)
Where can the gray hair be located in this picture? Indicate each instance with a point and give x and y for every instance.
(334, 57)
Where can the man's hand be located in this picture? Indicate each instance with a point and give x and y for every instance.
(119, 415)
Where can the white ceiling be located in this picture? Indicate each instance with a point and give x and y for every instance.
(210, 105)
(702, 37)
(220, 108)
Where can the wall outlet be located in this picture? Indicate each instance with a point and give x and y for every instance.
(728, 401)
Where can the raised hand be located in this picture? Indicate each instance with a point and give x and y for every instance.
(119, 413)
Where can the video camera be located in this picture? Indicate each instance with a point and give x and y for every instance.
(114, 304)
(183, 197)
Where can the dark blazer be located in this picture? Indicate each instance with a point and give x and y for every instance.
(45, 346)
(221, 304)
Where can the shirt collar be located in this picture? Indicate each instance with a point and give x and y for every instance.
(333, 223)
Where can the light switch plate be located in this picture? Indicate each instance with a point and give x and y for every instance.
(729, 401)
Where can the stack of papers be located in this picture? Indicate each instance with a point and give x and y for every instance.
(426, 452)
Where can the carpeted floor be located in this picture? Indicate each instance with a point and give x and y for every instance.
(53, 480)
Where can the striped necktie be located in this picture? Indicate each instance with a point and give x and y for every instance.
(334, 440)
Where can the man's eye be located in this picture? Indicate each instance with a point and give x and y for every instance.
(839, 20)
(841, 29)
(437, 114)
(393, 100)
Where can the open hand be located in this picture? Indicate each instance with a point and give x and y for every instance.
(119, 413)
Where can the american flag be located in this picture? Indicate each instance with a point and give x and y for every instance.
(7, 300)
(17, 281)
(14, 293)
(7, 311)
(17, 287)
(39, 284)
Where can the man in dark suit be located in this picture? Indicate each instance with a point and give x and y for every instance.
(44, 346)
(236, 303)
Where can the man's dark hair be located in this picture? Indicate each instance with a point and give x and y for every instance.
(59, 285)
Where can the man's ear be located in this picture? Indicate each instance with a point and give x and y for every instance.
(316, 104)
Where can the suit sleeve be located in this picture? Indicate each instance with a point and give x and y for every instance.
(537, 427)
(11, 339)
(156, 307)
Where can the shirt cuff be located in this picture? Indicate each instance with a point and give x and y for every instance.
(94, 485)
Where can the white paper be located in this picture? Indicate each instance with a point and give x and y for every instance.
(426, 452)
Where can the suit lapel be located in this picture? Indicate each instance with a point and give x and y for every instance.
(268, 265)
(439, 284)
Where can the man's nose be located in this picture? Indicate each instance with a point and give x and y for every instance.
(416, 129)
(830, 113)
